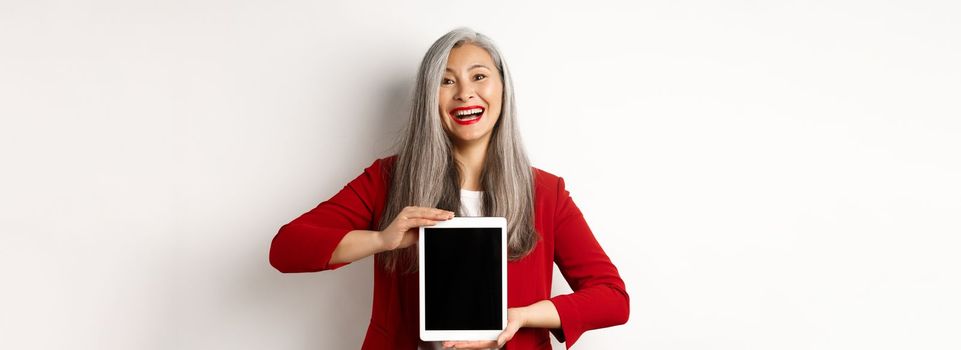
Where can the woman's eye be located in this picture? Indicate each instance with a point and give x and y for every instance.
(446, 81)
(479, 77)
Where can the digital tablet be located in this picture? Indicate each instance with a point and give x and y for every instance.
(463, 279)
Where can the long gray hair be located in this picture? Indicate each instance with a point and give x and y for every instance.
(426, 174)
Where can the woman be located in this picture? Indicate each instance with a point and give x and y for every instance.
(461, 153)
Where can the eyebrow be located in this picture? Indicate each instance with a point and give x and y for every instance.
(478, 65)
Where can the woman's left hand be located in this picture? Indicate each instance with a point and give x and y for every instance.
(515, 320)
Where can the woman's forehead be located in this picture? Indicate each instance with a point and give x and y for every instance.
(468, 57)
(471, 67)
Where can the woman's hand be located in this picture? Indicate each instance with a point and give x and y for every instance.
(515, 320)
(402, 232)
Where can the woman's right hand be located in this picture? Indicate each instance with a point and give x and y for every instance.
(403, 231)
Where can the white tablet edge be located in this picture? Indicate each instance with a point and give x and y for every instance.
(426, 335)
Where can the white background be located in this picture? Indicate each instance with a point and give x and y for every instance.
(765, 175)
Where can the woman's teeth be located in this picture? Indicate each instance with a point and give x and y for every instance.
(468, 113)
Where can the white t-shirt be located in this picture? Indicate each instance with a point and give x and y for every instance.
(471, 204)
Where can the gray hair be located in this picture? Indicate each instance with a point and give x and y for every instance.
(426, 174)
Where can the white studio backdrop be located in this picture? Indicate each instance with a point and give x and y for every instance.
(765, 175)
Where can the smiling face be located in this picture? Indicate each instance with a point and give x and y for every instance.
(470, 95)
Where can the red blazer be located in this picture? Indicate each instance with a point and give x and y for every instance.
(599, 298)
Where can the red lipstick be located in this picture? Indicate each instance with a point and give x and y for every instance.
(466, 119)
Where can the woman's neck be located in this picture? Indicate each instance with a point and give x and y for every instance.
(471, 158)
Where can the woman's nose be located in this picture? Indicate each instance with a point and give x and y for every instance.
(464, 93)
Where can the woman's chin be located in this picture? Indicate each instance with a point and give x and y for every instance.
(470, 138)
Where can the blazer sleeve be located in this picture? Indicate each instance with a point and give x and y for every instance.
(307, 243)
(599, 299)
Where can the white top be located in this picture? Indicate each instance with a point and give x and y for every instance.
(471, 204)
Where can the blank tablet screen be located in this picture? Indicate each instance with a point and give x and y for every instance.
(462, 278)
